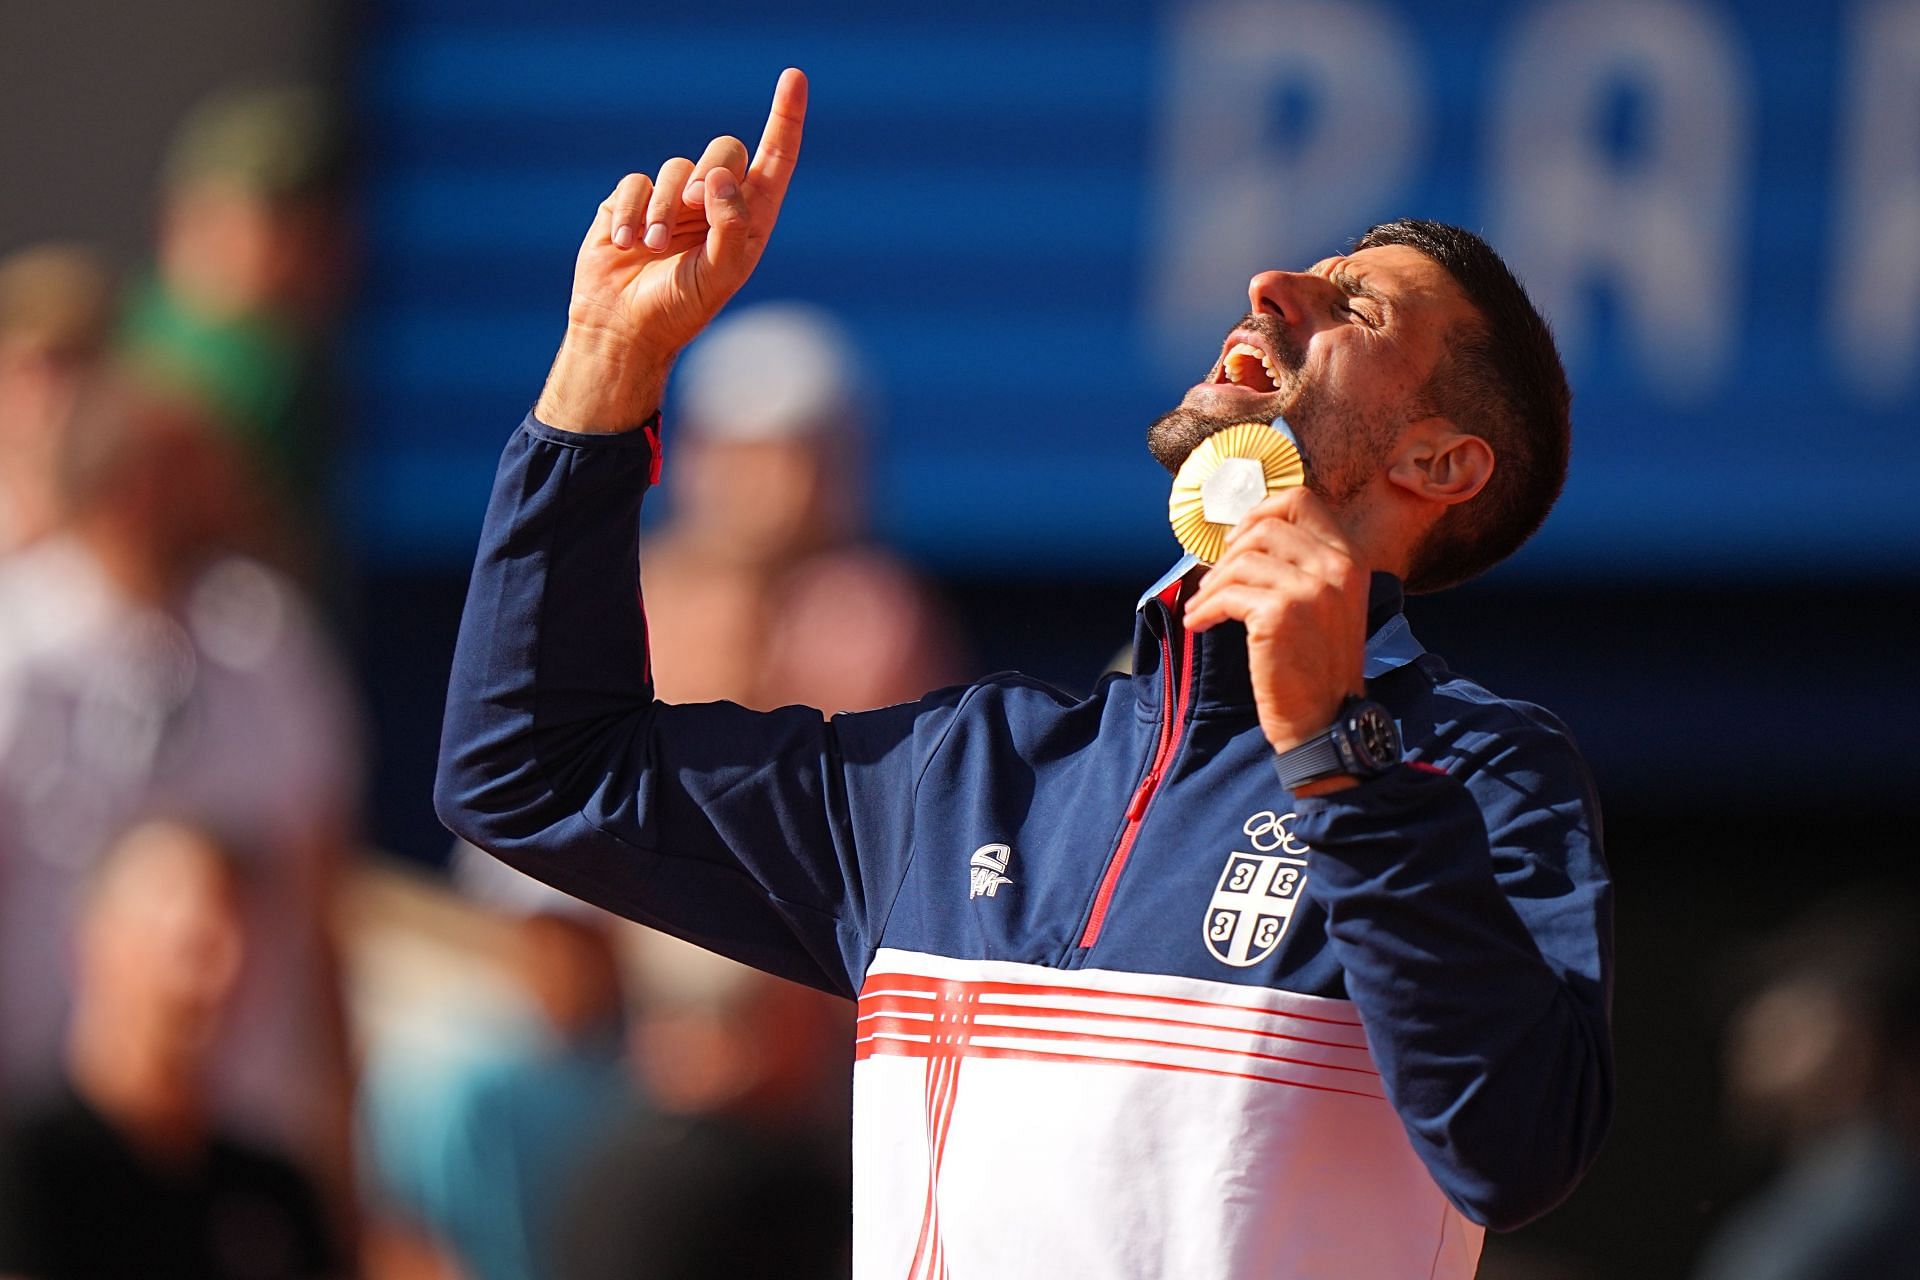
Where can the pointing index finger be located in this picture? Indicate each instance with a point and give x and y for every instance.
(773, 162)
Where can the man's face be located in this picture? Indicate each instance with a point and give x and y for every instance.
(1341, 350)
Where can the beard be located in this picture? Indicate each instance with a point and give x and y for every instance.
(1341, 450)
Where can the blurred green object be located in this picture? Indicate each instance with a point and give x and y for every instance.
(244, 369)
(252, 373)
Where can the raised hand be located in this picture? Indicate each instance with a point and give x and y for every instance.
(663, 255)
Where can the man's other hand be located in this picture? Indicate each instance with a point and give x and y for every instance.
(1290, 576)
(664, 254)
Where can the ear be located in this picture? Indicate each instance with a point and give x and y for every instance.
(1438, 463)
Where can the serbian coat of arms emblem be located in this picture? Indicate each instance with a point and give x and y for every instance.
(1253, 904)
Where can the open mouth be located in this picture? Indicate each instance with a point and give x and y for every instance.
(1245, 365)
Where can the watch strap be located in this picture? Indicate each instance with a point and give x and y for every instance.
(1317, 757)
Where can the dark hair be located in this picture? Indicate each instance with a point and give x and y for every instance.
(1503, 381)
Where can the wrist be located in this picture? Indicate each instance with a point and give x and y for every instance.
(601, 384)
(1325, 786)
(1284, 735)
(1362, 742)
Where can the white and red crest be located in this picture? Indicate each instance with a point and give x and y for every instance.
(1254, 901)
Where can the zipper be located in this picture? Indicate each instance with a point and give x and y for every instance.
(1173, 717)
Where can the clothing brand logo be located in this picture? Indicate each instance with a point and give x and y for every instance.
(989, 870)
(1254, 901)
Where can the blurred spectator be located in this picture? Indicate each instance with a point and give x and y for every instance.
(55, 308)
(1825, 1060)
(251, 264)
(480, 1157)
(745, 1170)
(127, 1173)
(758, 587)
(144, 668)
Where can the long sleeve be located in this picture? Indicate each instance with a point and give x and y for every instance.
(775, 838)
(1472, 916)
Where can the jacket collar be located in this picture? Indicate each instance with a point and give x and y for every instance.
(1220, 673)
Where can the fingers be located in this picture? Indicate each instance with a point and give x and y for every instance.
(1272, 556)
(724, 152)
(1263, 547)
(644, 211)
(1300, 507)
(1236, 602)
(656, 211)
(1272, 583)
(664, 208)
(620, 212)
(729, 247)
(779, 150)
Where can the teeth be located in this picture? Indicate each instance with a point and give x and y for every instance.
(1248, 349)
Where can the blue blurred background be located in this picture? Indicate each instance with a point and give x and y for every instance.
(1038, 221)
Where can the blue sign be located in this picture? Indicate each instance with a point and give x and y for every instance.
(1040, 221)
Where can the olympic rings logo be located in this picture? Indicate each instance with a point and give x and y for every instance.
(1268, 831)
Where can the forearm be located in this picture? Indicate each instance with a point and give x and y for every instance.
(1490, 1029)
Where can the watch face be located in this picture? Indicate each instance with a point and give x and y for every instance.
(1376, 736)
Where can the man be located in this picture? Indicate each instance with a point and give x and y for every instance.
(128, 1172)
(1130, 1004)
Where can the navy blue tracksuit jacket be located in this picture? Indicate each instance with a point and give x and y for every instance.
(1277, 1036)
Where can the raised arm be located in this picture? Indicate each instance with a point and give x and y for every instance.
(774, 838)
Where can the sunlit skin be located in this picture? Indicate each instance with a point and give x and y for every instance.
(1352, 341)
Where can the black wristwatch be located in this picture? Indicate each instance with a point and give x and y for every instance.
(1364, 742)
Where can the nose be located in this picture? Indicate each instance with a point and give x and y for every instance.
(1296, 297)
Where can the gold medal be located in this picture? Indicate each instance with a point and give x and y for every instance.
(1228, 475)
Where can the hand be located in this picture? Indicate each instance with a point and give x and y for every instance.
(1289, 575)
(663, 256)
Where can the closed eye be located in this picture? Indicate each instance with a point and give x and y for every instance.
(1373, 313)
